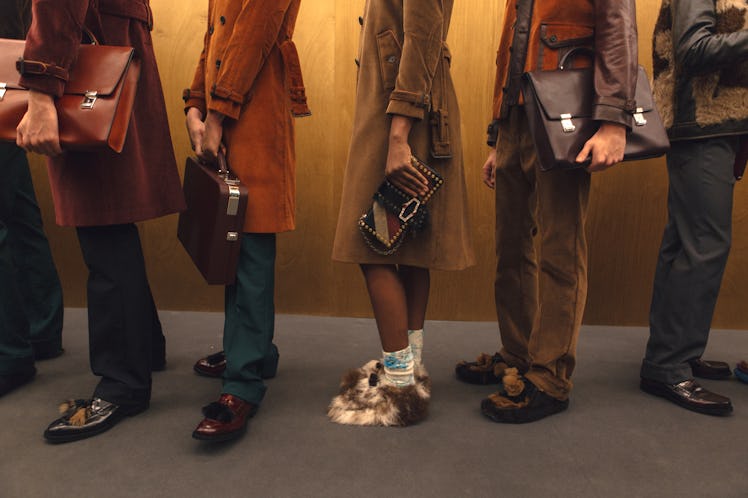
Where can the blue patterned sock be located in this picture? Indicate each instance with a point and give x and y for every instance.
(398, 367)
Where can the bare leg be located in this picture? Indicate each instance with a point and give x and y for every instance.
(389, 302)
(417, 282)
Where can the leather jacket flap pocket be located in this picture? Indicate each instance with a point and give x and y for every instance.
(389, 51)
(557, 38)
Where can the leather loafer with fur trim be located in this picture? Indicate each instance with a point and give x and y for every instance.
(225, 419)
(520, 401)
(84, 418)
(366, 399)
(486, 370)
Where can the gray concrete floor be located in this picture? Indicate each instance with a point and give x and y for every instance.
(614, 441)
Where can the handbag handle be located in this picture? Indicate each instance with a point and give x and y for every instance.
(589, 52)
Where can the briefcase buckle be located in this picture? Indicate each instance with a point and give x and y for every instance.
(89, 99)
(232, 236)
(566, 123)
(3, 87)
(233, 205)
(639, 117)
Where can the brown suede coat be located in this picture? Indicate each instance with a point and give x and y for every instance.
(404, 69)
(558, 26)
(102, 187)
(249, 71)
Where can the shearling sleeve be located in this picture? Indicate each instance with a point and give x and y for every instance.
(52, 44)
(423, 24)
(194, 96)
(255, 32)
(616, 63)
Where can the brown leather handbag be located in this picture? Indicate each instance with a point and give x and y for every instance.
(99, 96)
(559, 106)
(210, 229)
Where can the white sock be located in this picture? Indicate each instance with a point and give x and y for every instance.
(398, 367)
(415, 338)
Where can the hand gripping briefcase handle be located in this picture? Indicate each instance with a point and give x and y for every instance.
(97, 104)
(559, 107)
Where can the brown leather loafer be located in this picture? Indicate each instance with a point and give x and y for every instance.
(690, 395)
(214, 365)
(225, 419)
(706, 369)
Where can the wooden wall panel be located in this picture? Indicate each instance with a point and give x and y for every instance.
(627, 206)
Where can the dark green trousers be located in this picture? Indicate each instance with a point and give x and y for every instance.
(30, 293)
(250, 319)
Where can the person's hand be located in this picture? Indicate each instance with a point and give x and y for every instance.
(399, 169)
(605, 148)
(212, 137)
(38, 130)
(488, 172)
(195, 129)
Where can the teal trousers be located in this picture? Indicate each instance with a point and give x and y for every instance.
(31, 308)
(250, 319)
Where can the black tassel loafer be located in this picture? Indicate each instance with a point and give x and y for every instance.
(84, 418)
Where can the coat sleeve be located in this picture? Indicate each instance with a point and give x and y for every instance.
(423, 23)
(52, 44)
(699, 48)
(194, 96)
(255, 32)
(616, 60)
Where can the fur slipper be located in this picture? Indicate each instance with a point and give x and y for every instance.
(364, 398)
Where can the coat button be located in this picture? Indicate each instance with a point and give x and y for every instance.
(210, 29)
(223, 20)
(391, 59)
(218, 63)
(358, 62)
(361, 20)
(553, 38)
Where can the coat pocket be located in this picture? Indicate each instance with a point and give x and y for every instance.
(389, 51)
(558, 38)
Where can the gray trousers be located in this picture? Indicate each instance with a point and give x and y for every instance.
(692, 257)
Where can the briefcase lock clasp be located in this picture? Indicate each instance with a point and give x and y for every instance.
(3, 87)
(232, 236)
(233, 205)
(639, 117)
(566, 123)
(89, 99)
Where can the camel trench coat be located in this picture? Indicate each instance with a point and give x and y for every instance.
(249, 71)
(404, 70)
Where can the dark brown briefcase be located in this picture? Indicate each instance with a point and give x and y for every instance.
(210, 229)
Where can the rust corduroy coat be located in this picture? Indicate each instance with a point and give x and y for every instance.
(404, 70)
(249, 71)
(102, 187)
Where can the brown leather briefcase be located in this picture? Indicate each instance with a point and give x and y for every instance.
(211, 227)
(99, 95)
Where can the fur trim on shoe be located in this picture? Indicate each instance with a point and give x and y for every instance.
(364, 398)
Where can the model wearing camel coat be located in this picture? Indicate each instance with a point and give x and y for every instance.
(404, 70)
(249, 71)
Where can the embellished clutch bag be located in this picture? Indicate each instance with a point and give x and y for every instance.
(394, 214)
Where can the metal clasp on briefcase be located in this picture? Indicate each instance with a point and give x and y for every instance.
(234, 194)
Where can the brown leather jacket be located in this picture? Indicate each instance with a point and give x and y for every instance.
(542, 31)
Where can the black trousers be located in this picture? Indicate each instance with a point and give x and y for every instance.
(125, 335)
(692, 257)
(31, 309)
